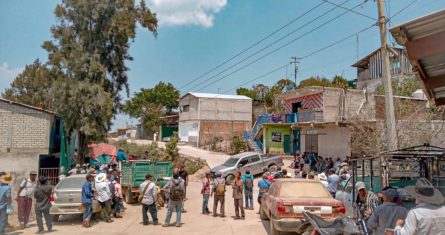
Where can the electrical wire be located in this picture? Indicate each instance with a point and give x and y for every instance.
(253, 45)
(356, 12)
(403, 9)
(284, 45)
(256, 78)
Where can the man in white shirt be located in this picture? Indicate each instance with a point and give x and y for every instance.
(104, 195)
(428, 217)
(149, 193)
(24, 198)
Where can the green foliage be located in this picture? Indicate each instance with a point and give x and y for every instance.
(237, 145)
(152, 104)
(315, 81)
(405, 87)
(87, 56)
(339, 81)
(171, 149)
(194, 166)
(32, 86)
(246, 92)
(214, 142)
(284, 85)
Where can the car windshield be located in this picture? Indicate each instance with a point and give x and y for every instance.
(75, 182)
(301, 189)
(231, 161)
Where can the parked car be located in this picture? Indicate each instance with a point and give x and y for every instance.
(252, 161)
(67, 197)
(286, 200)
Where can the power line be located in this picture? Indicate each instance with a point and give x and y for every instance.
(253, 45)
(338, 41)
(306, 56)
(356, 12)
(286, 44)
(258, 77)
(403, 9)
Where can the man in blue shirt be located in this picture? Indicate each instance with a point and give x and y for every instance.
(5, 199)
(121, 155)
(333, 179)
(248, 189)
(87, 200)
(264, 185)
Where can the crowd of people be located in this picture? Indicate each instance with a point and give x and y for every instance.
(379, 211)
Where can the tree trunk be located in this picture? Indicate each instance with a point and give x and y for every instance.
(83, 147)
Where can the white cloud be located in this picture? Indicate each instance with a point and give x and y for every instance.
(7, 75)
(186, 12)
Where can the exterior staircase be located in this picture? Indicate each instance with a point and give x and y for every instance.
(249, 136)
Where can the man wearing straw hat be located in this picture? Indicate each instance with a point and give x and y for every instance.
(428, 217)
(5, 199)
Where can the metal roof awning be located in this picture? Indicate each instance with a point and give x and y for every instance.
(424, 40)
(424, 150)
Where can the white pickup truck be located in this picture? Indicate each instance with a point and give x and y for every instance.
(252, 161)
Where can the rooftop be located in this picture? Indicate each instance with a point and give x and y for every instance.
(217, 96)
(27, 106)
(424, 40)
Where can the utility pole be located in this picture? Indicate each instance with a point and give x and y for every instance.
(295, 62)
(391, 134)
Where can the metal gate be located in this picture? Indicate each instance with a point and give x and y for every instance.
(52, 174)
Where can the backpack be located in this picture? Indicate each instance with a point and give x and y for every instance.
(220, 189)
(249, 184)
(176, 192)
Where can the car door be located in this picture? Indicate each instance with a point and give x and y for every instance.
(255, 164)
(345, 195)
(243, 164)
(269, 199)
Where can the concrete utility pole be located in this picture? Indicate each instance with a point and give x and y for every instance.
(295, 62)
(391, 134)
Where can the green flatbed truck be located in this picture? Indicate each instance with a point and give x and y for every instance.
(133, 174)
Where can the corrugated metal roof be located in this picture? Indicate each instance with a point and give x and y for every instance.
(218, 96)
(424, 40)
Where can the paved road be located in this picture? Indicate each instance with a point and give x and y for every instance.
(194, 223)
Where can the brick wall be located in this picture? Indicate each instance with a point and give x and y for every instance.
(225, 129)
(24, 129)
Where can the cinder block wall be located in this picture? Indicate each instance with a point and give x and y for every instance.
(24, 135)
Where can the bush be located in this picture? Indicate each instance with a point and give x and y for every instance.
(238, 145)
(171, 149)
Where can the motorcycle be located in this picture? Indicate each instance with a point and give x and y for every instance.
(341, 225)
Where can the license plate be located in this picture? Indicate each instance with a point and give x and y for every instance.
(312, 209)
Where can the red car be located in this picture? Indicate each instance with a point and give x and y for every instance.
(286, 200)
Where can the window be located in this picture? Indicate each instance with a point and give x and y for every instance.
(304, 189)
(185, 108)
(243, 161)
(254, 158)
(272, 189)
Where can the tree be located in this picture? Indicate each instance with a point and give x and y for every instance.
(89, 49)
(285, 85)
(404, 87)
(261, 91)
(315, 81)
(150, 105)
(246, 92)
(32, 86)
(171, 149)
(339, 81)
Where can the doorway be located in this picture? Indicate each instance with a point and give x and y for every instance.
(296, 106)
(311, 141)
(286, 143)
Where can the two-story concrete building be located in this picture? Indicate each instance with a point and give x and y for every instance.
(316, 119)
(370, 68)
(204, 116)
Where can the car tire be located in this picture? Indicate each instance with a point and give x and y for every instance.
(263, 214)
(229, 179)
(273, 230)
(55, 218)
(128, 196)
(273, 168)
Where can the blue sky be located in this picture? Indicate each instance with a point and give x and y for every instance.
(196, 35)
